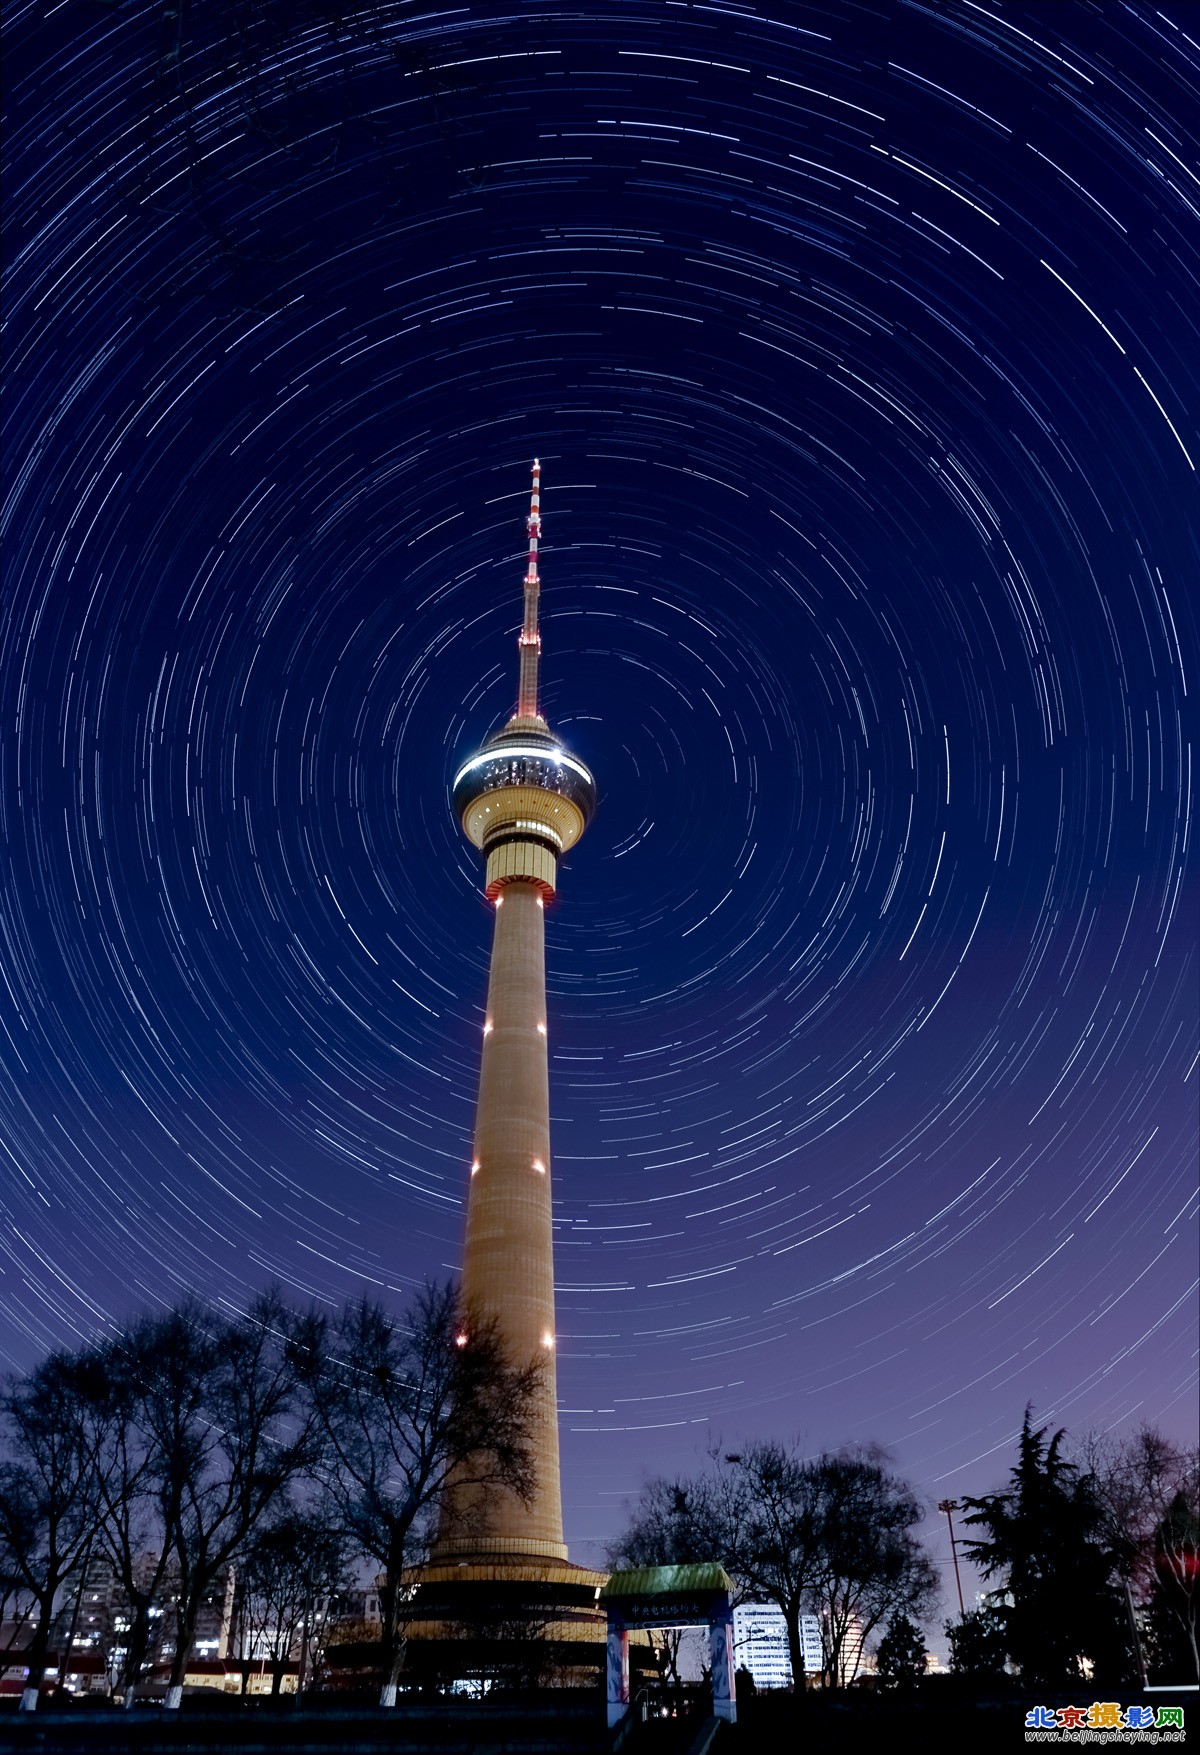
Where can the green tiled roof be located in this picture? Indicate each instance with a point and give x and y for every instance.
(655, 1581)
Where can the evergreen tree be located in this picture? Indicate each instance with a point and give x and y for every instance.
(977, 1643)
(902, 1655)
(1043, 1542)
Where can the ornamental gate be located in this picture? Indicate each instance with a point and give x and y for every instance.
(657, 1597)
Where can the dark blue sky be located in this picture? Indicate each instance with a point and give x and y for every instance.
(858, 343)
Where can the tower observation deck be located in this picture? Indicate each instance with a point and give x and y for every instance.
(524, 800)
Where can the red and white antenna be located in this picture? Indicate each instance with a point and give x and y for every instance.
(531, 641)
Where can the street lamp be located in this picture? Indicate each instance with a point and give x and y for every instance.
(950, 1506)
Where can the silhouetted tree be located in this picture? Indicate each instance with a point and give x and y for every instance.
(1172, 1595)
(136, 1506)
(666, 1531)
(17, 1604)
(205, 1428)
(1148, 1491)
(16, 1601)
(48, 1500)
(294, 1569)
(677, 1522)
(902, 1657)
(832, 1534)
(403, 1405)
(871, 1564)
(978, 1643)
(1044, 1541)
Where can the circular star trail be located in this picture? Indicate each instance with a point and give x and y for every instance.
(858, 343)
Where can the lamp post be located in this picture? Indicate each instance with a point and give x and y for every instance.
(950, 1506)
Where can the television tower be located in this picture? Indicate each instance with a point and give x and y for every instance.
(523, 800)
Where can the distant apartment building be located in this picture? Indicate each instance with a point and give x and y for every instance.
(89, 1636)
(760, 1644)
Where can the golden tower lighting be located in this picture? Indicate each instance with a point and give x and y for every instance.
(523, 800)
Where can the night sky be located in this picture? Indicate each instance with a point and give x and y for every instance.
(859, 346)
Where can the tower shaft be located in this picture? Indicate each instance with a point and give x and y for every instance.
(524, 801)
(508, 1262)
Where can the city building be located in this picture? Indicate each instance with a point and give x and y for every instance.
(90, 1633)
(760, 1644)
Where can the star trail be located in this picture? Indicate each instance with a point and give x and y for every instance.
(859, 346)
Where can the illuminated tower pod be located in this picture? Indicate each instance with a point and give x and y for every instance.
(523, 801)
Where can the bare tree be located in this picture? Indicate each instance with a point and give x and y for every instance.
(778, 1551)
(665, 1531)
(17, 1603)
(870, 1566)
(831, 1534)
(1173, 1596)
(293, 1572)
(206, 1428)
(48, 1502)
(1148, 1489)
(753, 1511)
(137, 1506)
(404, 1404)
(678, 1521)
(1134, 1479)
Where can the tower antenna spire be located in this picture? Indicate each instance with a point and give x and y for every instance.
(531, 641)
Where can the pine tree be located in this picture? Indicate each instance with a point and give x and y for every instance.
(902, 1655)
(977, 1643)
(1062, 1613)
